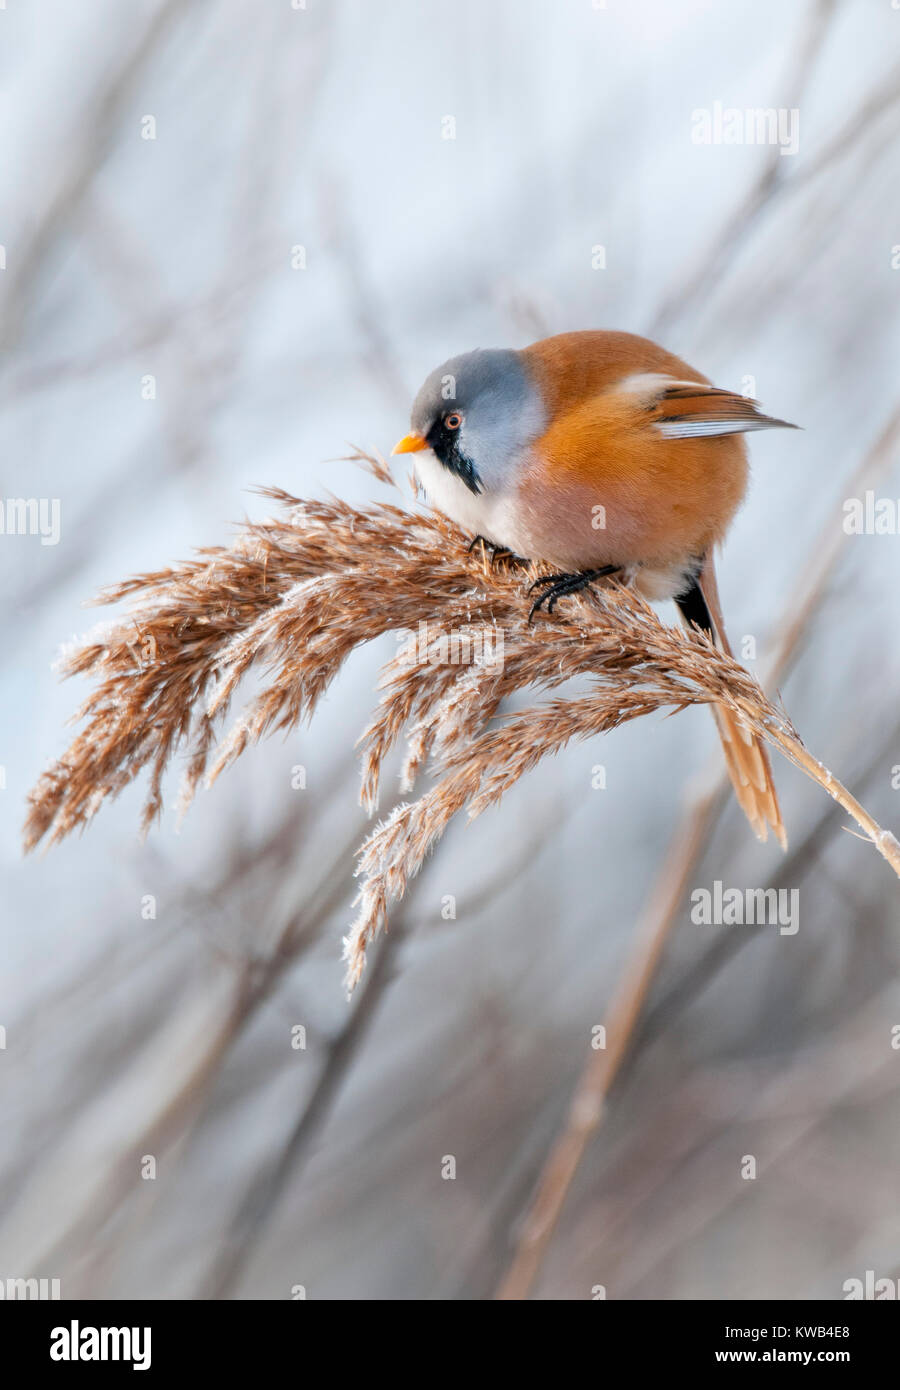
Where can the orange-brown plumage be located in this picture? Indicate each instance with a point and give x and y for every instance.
(572, 367)
(663, 499)
(600, 452)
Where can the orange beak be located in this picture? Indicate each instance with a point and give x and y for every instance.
(410, 444)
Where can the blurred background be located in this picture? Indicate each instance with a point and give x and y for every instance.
(237, 237)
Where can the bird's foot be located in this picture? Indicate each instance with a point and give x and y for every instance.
(488, 547)
(557, 586)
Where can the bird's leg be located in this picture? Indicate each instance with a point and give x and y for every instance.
(557, 586)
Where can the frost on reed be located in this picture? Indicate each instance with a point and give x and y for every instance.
(294, 595)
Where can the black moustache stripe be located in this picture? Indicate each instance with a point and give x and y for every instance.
(445, 444)
(463, 468)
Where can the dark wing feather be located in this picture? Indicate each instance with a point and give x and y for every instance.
(692, 410)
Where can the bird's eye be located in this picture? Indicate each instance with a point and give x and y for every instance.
(453, 421)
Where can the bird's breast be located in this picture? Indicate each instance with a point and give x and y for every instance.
(488, 513)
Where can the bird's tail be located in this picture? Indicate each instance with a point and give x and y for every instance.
(746, 757)
(751, 775)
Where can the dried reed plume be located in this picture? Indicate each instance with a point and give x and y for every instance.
(296, 594)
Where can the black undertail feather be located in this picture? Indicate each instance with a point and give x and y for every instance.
(693, 606)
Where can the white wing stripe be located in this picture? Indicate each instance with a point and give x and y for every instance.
(693, 427)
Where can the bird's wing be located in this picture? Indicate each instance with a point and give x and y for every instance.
(693, 409)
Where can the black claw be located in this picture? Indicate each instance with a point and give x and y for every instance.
(487, 545)
(557, 586)
(549, 579)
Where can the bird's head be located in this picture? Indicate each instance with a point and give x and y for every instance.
(476, 413)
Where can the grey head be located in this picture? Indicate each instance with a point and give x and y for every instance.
(477, 412)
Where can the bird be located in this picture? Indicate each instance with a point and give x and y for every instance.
(600, 454)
